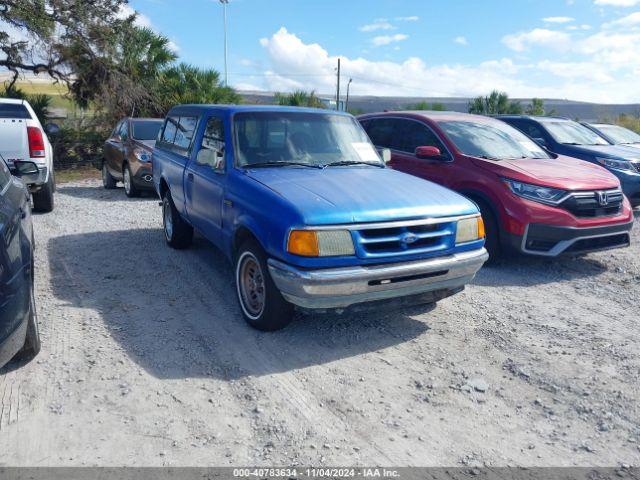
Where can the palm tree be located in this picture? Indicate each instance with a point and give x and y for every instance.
(495, 103)
(185, 83)
(299, 98)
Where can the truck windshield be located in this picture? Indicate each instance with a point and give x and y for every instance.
(301, 139)
(494, 141)
(146, 129)
(572, 133)
(619, 135)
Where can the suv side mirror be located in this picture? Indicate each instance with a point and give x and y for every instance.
(432, 153)
(541, 141)
(27, 171)
(117, 138)
(52, 129)
(385, 154)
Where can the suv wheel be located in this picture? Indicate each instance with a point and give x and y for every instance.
(108, 181)
(262, 304)
(32, 343)
(492, 240)
(129, 187)
(177, 232)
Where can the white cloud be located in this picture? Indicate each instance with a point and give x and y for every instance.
(141, 20)
(372, 27)
(558, 19)
(539, 37)
(628, 22)
(618, 3)
(604, 68)
(387, 39)
(461, 41)
(412, 18)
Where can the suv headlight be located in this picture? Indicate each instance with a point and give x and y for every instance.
(546, 195)
(470, 230)
(616, 163)
(320, 243)
(142, 154)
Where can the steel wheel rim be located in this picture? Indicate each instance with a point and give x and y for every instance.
(127, 181)
(168, 220)
(251, 285)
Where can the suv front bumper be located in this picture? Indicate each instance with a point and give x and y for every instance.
(346, 286)
(553, 240)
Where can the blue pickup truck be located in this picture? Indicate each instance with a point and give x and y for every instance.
(305, 208)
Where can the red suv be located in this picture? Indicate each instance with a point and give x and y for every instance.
(531, 200)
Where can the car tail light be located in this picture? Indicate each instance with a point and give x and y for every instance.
(36, 142)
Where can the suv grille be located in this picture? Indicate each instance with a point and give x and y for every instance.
(600, 203)
(373, 242)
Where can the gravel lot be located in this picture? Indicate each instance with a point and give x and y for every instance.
(146, 361)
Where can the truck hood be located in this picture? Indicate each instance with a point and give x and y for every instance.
(13, 140)
(563, 172)
(342, 195)
(609, 151)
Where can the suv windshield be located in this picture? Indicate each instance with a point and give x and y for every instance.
(619, 135)
(146, 129)
(572, 133)
(494, 141)
(303, 139)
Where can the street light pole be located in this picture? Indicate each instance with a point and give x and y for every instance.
(224, 14)
(346, 104)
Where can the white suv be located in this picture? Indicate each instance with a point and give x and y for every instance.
(23, 138)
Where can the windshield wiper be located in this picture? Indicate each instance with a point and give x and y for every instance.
(487, 157)
(282, 164)
(352, 162)
(572, 143)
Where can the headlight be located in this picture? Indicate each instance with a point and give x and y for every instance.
(470, 230)
(321, 243)
(142, 154)
(549, 196)
(617, 164)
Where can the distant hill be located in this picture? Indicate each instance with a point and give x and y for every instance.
(577, 110)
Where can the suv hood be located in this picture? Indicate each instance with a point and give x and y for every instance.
(147, 144)
(565, 173)
(342, 195)
(609, 151)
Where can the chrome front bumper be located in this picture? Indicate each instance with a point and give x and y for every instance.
(342, 287)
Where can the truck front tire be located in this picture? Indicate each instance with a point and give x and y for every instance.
(32, 343)
(43, 198)
(177, 232)
(261, 303)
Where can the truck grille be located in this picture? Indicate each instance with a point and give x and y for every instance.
(418, 238)
(600, 203)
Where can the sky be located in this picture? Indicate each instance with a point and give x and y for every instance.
(585, 50)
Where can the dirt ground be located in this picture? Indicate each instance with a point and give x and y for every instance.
(146, 361)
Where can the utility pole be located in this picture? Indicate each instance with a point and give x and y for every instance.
(338, 87)
(346, 104)
(224, 15)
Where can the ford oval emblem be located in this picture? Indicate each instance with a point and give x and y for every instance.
(409, 238)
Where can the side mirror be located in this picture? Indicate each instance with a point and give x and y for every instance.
(385, 154)
(212, 158)
(27, 171)
(428, 153)
(541, 141)
(52, 129)
(117, 138)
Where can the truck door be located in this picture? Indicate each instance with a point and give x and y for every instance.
(205, 180)
(114, 149)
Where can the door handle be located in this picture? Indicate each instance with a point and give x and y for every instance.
(190, 177)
